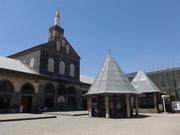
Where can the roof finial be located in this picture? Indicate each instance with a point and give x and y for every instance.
(57, 18)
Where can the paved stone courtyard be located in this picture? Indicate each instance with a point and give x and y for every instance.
(156, 124)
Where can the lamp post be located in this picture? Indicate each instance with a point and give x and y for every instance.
(164, 103)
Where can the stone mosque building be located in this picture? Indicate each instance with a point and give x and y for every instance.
(46, 75)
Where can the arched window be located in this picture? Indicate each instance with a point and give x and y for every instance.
(54, 33)
(62, 68)
(50, 65)
(72, 70)
(49, 92)
(63, 43)
(31, 64)
(58, 45)
(67, 49)
(49, 35)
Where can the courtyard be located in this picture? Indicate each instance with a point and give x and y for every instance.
(150, 124)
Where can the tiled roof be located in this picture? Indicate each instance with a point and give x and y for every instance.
(15, 65)
(111, 79)
(143, 84)
(86, 79)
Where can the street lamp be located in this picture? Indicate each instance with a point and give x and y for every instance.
(164, 103)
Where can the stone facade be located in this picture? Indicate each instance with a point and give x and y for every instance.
(39, 83)
(56, 84)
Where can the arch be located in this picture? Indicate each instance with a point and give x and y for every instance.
(49, 92)
(71, 90)
(53, 33)
(61, 89)
(72, 69)
(58, 45)
(61, 99)
(6, 86)
(27, 88)
(71, 97)
(31, 63)
(6, 90)
(61, 67)
(27, 91)
(49, 89)
(50, 65)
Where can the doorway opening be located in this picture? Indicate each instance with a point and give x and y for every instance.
(27, 92)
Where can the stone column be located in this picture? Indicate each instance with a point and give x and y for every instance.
(155, 102)
(15, 101)
(127, 106)
(136, 105)
(164, 104)
(107, 106)
(89, 106)
(56, 104)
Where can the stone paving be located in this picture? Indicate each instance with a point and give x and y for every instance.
(156, 124)
(24, 116)
(69, 113)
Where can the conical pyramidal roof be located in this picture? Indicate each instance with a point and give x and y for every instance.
(143, 84)
(111, 79)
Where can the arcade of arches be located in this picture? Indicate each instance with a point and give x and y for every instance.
(30, 96)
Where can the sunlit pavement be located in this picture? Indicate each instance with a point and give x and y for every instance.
(156, 124)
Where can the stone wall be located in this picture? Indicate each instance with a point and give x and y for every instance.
(25, 58)
(38, 95)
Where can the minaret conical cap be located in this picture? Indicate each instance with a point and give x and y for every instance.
(57, 18)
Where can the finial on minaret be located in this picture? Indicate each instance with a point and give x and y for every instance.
(57, 18)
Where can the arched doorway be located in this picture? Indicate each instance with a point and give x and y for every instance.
(49, 92)
(27, 91)
(71, 98)
(6, 90)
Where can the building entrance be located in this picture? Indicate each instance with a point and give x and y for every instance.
(26, 102)
(27, 93)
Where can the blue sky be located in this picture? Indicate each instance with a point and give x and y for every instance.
(140, 33)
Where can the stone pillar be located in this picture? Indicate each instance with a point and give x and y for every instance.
(136, 105)
(164, 104)
(90, 106)
(107, 106)
(127, 106)
(56, 104)
(155, 102)
(15, 101)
